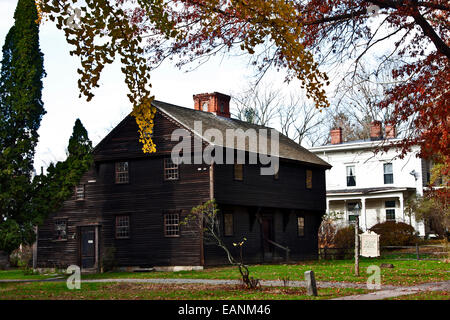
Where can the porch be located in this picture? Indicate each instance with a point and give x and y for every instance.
(375, 206)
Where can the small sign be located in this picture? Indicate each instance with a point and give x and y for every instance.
(370, 244)
(90, 241)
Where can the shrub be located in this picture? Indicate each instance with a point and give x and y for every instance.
(21, 257)
(108, 259)
(395, 233)
(345, 237)
(344, 241)
(327, 234)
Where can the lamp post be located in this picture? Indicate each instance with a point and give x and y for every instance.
(357, 208)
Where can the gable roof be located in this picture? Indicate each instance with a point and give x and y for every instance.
(186, 117)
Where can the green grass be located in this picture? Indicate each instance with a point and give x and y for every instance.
(128, 291)
(405, 272)
(426, 295)
(17, 274)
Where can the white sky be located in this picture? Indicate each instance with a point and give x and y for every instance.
(110, 104)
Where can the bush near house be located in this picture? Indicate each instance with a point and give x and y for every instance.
(395, 233)
(344, 242)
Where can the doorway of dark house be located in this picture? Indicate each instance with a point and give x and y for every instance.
(267, 230)
(87, 247)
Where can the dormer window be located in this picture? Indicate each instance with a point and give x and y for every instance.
(351, 176)
(388, 173)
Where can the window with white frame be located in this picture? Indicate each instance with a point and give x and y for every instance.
(171, 225)
(351, 176)
(60, 229)
(122, 172)
(170, 169)
(390, 210)
(351, 209)
(79, 192)
(122, 227)
(388, 173)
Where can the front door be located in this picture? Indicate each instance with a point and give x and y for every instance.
(267, 235)
(87, 247)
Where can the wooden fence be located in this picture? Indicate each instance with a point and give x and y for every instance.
(418, 252)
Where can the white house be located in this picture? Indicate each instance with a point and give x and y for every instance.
(376, 183)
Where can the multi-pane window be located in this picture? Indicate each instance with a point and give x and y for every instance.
(388, 173)
(122, 227)
(238, 171)
(228, 224)
(390, 210)
(351, 208)
(301, 226)
(172, 225)
(170, 169)
(351, 176)
(79, 192)
(308, 179)
(61, 229)
(122, 172)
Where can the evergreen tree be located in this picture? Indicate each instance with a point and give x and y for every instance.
(21, 111)
(51, 190)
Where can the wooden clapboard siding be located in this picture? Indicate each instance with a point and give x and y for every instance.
(302, 248)
(289, 191)
(144, 198)
(147, 196)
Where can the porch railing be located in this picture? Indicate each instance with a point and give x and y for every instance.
(286, 249)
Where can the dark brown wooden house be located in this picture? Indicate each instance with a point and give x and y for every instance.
(134, 202)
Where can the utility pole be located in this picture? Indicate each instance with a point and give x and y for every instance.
(357, 208)
(357, 246)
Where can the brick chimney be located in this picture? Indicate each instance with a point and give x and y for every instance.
(375, 130)
(217, 103)
(390, 131)
(336, 136)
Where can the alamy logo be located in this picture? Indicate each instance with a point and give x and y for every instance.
(74, 280)
(262, 146)
(374, 281)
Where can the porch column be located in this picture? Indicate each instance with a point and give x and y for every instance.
(402, 211)
(346, 222)
(328, 206)
(363, 212)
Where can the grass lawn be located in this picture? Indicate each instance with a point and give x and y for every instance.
(405, 272)
(128, 291)
(426, 295)
(17, 274)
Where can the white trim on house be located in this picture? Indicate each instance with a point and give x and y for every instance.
(371, 191)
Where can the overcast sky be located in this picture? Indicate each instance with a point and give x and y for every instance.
(110, 104)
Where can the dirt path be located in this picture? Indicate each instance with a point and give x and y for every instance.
(269, 283)
(391, 293)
